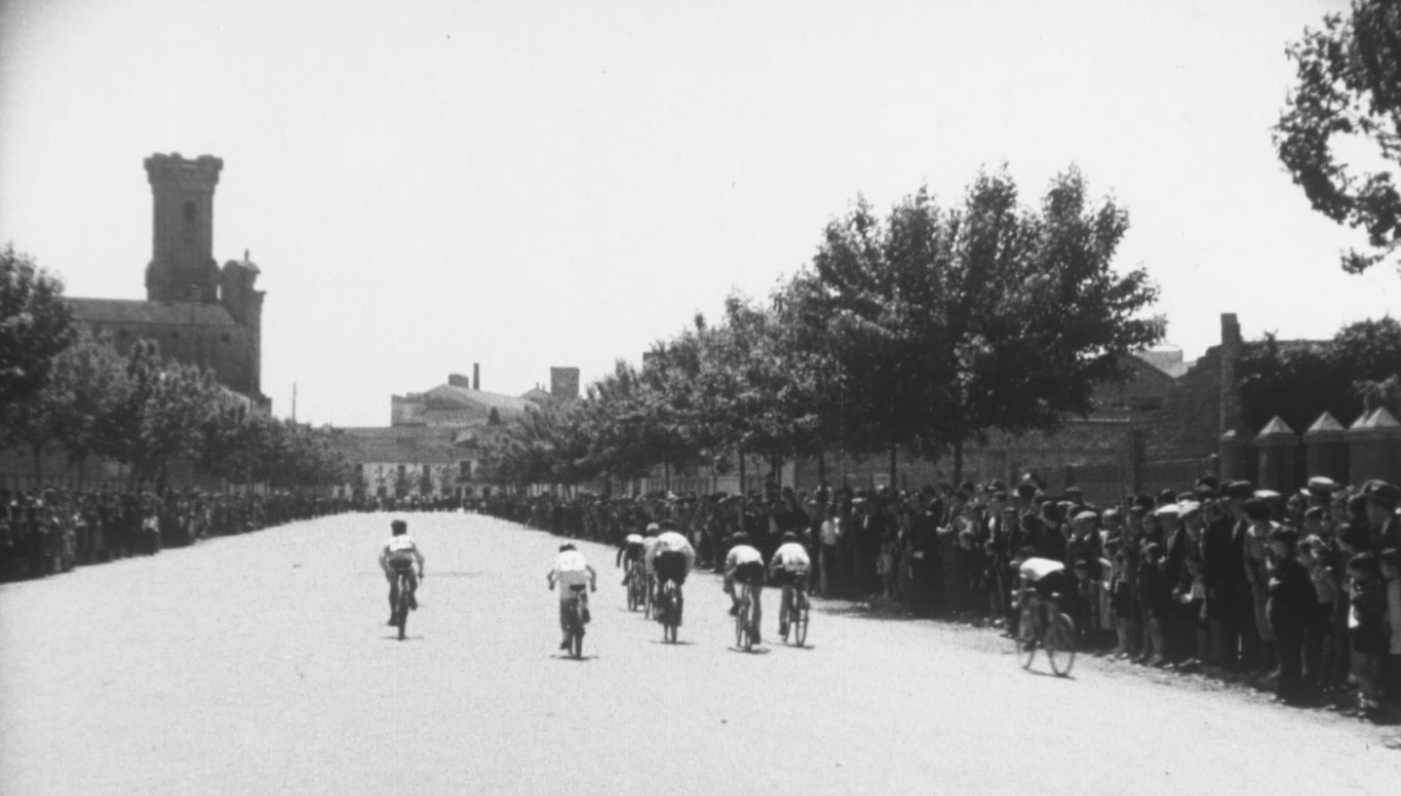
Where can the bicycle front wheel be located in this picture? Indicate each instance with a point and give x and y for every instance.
(800, 620)
(1060, 644)
(1026, 637)
(742, 640)
(403, 608)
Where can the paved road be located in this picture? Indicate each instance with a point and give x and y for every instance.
(260, 664)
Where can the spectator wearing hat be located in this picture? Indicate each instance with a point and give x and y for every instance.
(1238, 493)
(1382, 521)
(1259, 512)
(1292, 604)
(1156, 598)
(1366, 630)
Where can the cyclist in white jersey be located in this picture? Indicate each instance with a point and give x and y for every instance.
(649, 544)
(789, 567)
(400, 553)
(745, 565)
(571, 569)
(672, 558)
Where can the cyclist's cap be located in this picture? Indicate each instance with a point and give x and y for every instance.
(652, 527)
(789, 536)
(740, 538)
(398, 526)
(566, 546)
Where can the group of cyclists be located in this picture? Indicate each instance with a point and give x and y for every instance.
(659, 556)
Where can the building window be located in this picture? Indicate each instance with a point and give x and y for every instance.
(464, 470)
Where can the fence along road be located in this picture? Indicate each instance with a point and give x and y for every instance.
(261, 664)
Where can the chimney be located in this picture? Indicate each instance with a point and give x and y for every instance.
(458, 380)
(476, 376)
(564, 383)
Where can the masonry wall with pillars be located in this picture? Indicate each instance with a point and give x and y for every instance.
(1278, 458)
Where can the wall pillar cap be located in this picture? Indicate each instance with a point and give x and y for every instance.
(1376, 424)
(1277, 432)
(1325, 428)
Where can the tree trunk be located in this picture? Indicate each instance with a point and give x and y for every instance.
(957, 463)
(894, 486)
(741, 472)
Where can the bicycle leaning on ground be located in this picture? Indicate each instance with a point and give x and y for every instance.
(1043, 626)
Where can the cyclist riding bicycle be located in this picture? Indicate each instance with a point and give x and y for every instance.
(672, 558)
(790, 567)
(744, 565)
(1040, 581)
(571, 569)
(629, 556)
(398, 555)
(649, 542)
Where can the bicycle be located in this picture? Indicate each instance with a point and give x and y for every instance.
(401, 603)
(1057, 638)
(793, 614)
(669, 610)
(574, 619)
(649, 610)
(744, 620)
(637, 586)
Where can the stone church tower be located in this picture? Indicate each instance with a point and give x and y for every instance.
(195, 312)
(182, 264)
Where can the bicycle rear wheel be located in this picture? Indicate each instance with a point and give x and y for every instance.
(1060, 644)
(402, 609)
(1026, 637)
(742, 638)
(633, 596)
(799, 618)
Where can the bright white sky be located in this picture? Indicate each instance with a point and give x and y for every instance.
(427, 185)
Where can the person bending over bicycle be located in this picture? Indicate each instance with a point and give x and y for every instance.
(629, 556)
(672, 558)
(790, 567)
(744, 565)
(1040, 581)
(399, 554)
(649, 543)
(571, 569)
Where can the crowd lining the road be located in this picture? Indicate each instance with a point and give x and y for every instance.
(1297, 592)
(52, 531)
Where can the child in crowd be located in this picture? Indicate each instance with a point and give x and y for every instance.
(1324, 659)
(1366, 630)
(1157, 602)
(1192, 594)
(1121, 601)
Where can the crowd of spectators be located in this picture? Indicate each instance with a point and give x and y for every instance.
(50, 532)
(1300, 592)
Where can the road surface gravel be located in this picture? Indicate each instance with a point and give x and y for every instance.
(261, 664)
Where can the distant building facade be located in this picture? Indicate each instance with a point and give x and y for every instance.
(435, 440)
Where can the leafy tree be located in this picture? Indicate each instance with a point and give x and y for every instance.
(950, 323)
(35, 325)
(1300, 381)
(1349, 85)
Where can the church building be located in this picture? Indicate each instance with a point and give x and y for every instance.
(195, 312)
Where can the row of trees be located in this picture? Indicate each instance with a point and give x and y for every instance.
(920, 331)
(61, 389)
